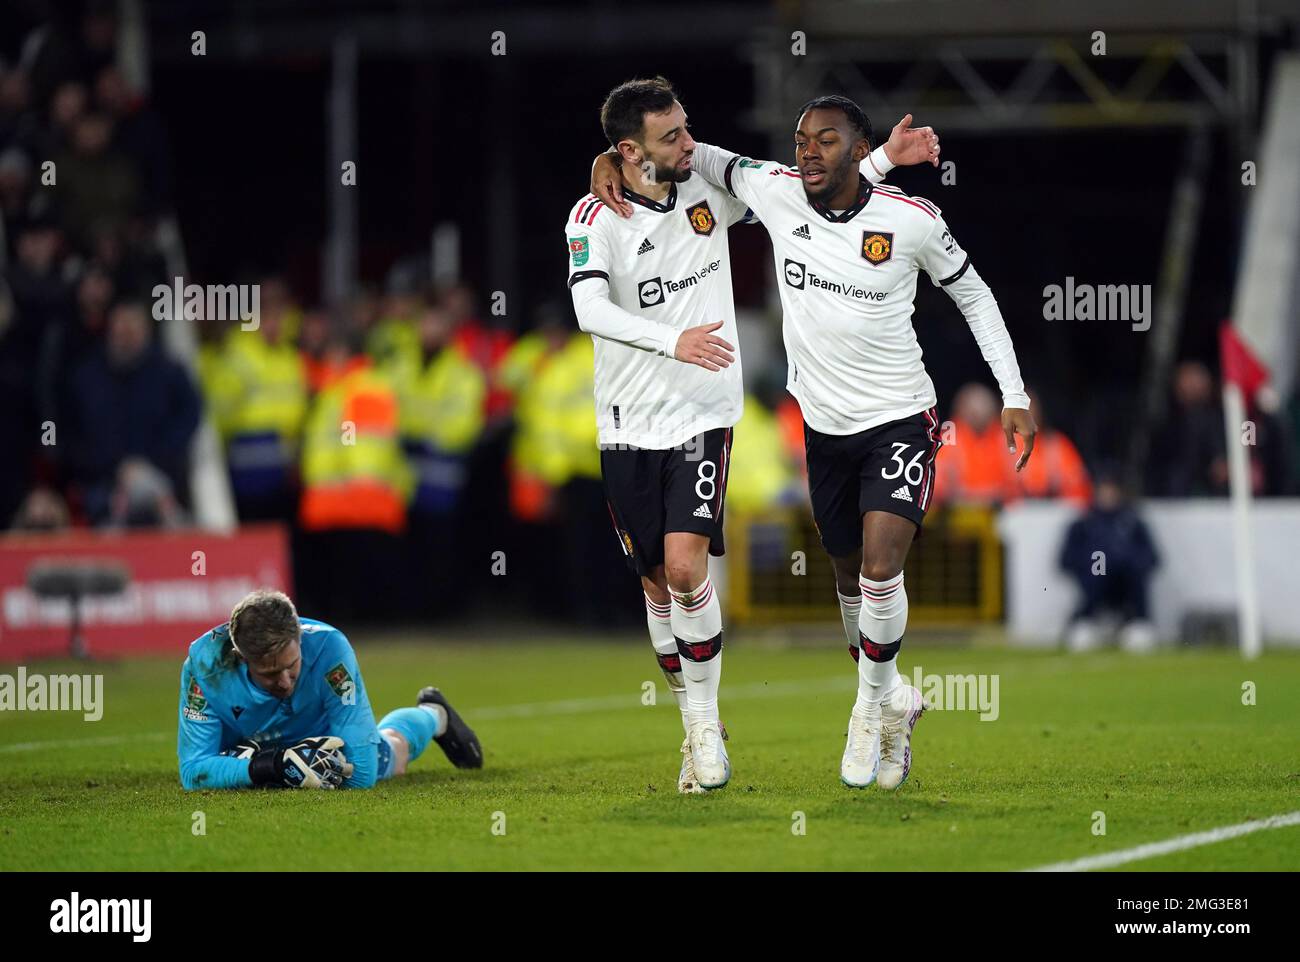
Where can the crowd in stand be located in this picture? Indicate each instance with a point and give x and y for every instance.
(406, 438)
(95, 419)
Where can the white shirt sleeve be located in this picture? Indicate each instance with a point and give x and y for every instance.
(711, 163)
(589, 269)
(876, 165)
(949, 267)
(741, 176)
(600, 316)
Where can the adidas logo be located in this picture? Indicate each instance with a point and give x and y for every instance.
(645, 248)
(802, 231)
(703, 512)
(902, 494)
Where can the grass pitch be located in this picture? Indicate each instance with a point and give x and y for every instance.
(581, 775)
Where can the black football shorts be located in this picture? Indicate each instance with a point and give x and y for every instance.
(653, 492)
(886, 468)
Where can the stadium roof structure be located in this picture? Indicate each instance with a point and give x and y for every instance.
(997, 66)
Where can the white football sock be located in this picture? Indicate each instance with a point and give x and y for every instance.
(438, 712)
(697, 625)
(850, 611)
(882, 623)
(659, 620)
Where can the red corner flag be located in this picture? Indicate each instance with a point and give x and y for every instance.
(1240, 365)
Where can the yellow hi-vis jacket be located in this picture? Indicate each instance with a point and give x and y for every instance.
(521, 363)
(394, 342)
(440, 418)
(258, 396)
(354, 473)
(761, 470)
(556, 439)
(441, 403)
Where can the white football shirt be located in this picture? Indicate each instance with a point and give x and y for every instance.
(847, 281)
(667, 268)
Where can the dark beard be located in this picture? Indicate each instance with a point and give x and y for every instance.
(671, 175)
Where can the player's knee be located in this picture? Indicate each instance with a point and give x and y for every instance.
(656, 589)
(685, 574)
(401, 750)
(846, 575)
(881, 569)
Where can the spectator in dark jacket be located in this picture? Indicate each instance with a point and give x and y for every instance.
(1111, 556)
(97, 184)
(130, 403)
(1188, 458)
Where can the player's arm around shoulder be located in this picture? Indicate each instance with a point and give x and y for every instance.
(749, 180)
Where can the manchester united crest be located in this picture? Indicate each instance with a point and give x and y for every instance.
(701, 218)
(877, 247)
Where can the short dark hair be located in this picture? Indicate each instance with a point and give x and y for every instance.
(853, 113)
(622, 115)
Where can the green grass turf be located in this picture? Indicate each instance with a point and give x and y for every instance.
(586, 776)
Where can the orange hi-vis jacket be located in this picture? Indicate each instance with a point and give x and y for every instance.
(975, 467)
(354, 473)
(1055, 470)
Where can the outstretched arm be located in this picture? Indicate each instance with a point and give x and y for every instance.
(907, 145)
(950, 268)
(980, 309)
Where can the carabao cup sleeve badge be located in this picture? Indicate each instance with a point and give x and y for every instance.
(339, 679)
(579, 250)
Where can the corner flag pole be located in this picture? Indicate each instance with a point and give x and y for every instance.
(1234, 414)
(1243, 376)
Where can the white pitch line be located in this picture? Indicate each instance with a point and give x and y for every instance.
(570, 706)
(1177, 844)
(81, 742)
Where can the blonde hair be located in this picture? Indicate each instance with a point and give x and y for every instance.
(261, 625)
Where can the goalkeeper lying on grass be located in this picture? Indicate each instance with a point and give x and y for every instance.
(270, 699)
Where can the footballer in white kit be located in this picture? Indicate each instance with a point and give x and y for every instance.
(847, 254)
(654, 291)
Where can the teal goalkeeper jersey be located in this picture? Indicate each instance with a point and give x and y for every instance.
(221, 706)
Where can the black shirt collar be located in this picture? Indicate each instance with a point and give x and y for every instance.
(864, 195)
(654, 205)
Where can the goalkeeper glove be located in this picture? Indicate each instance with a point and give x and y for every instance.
(245, 749)
(312, 763)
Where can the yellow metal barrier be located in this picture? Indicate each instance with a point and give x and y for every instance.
(778, 572)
